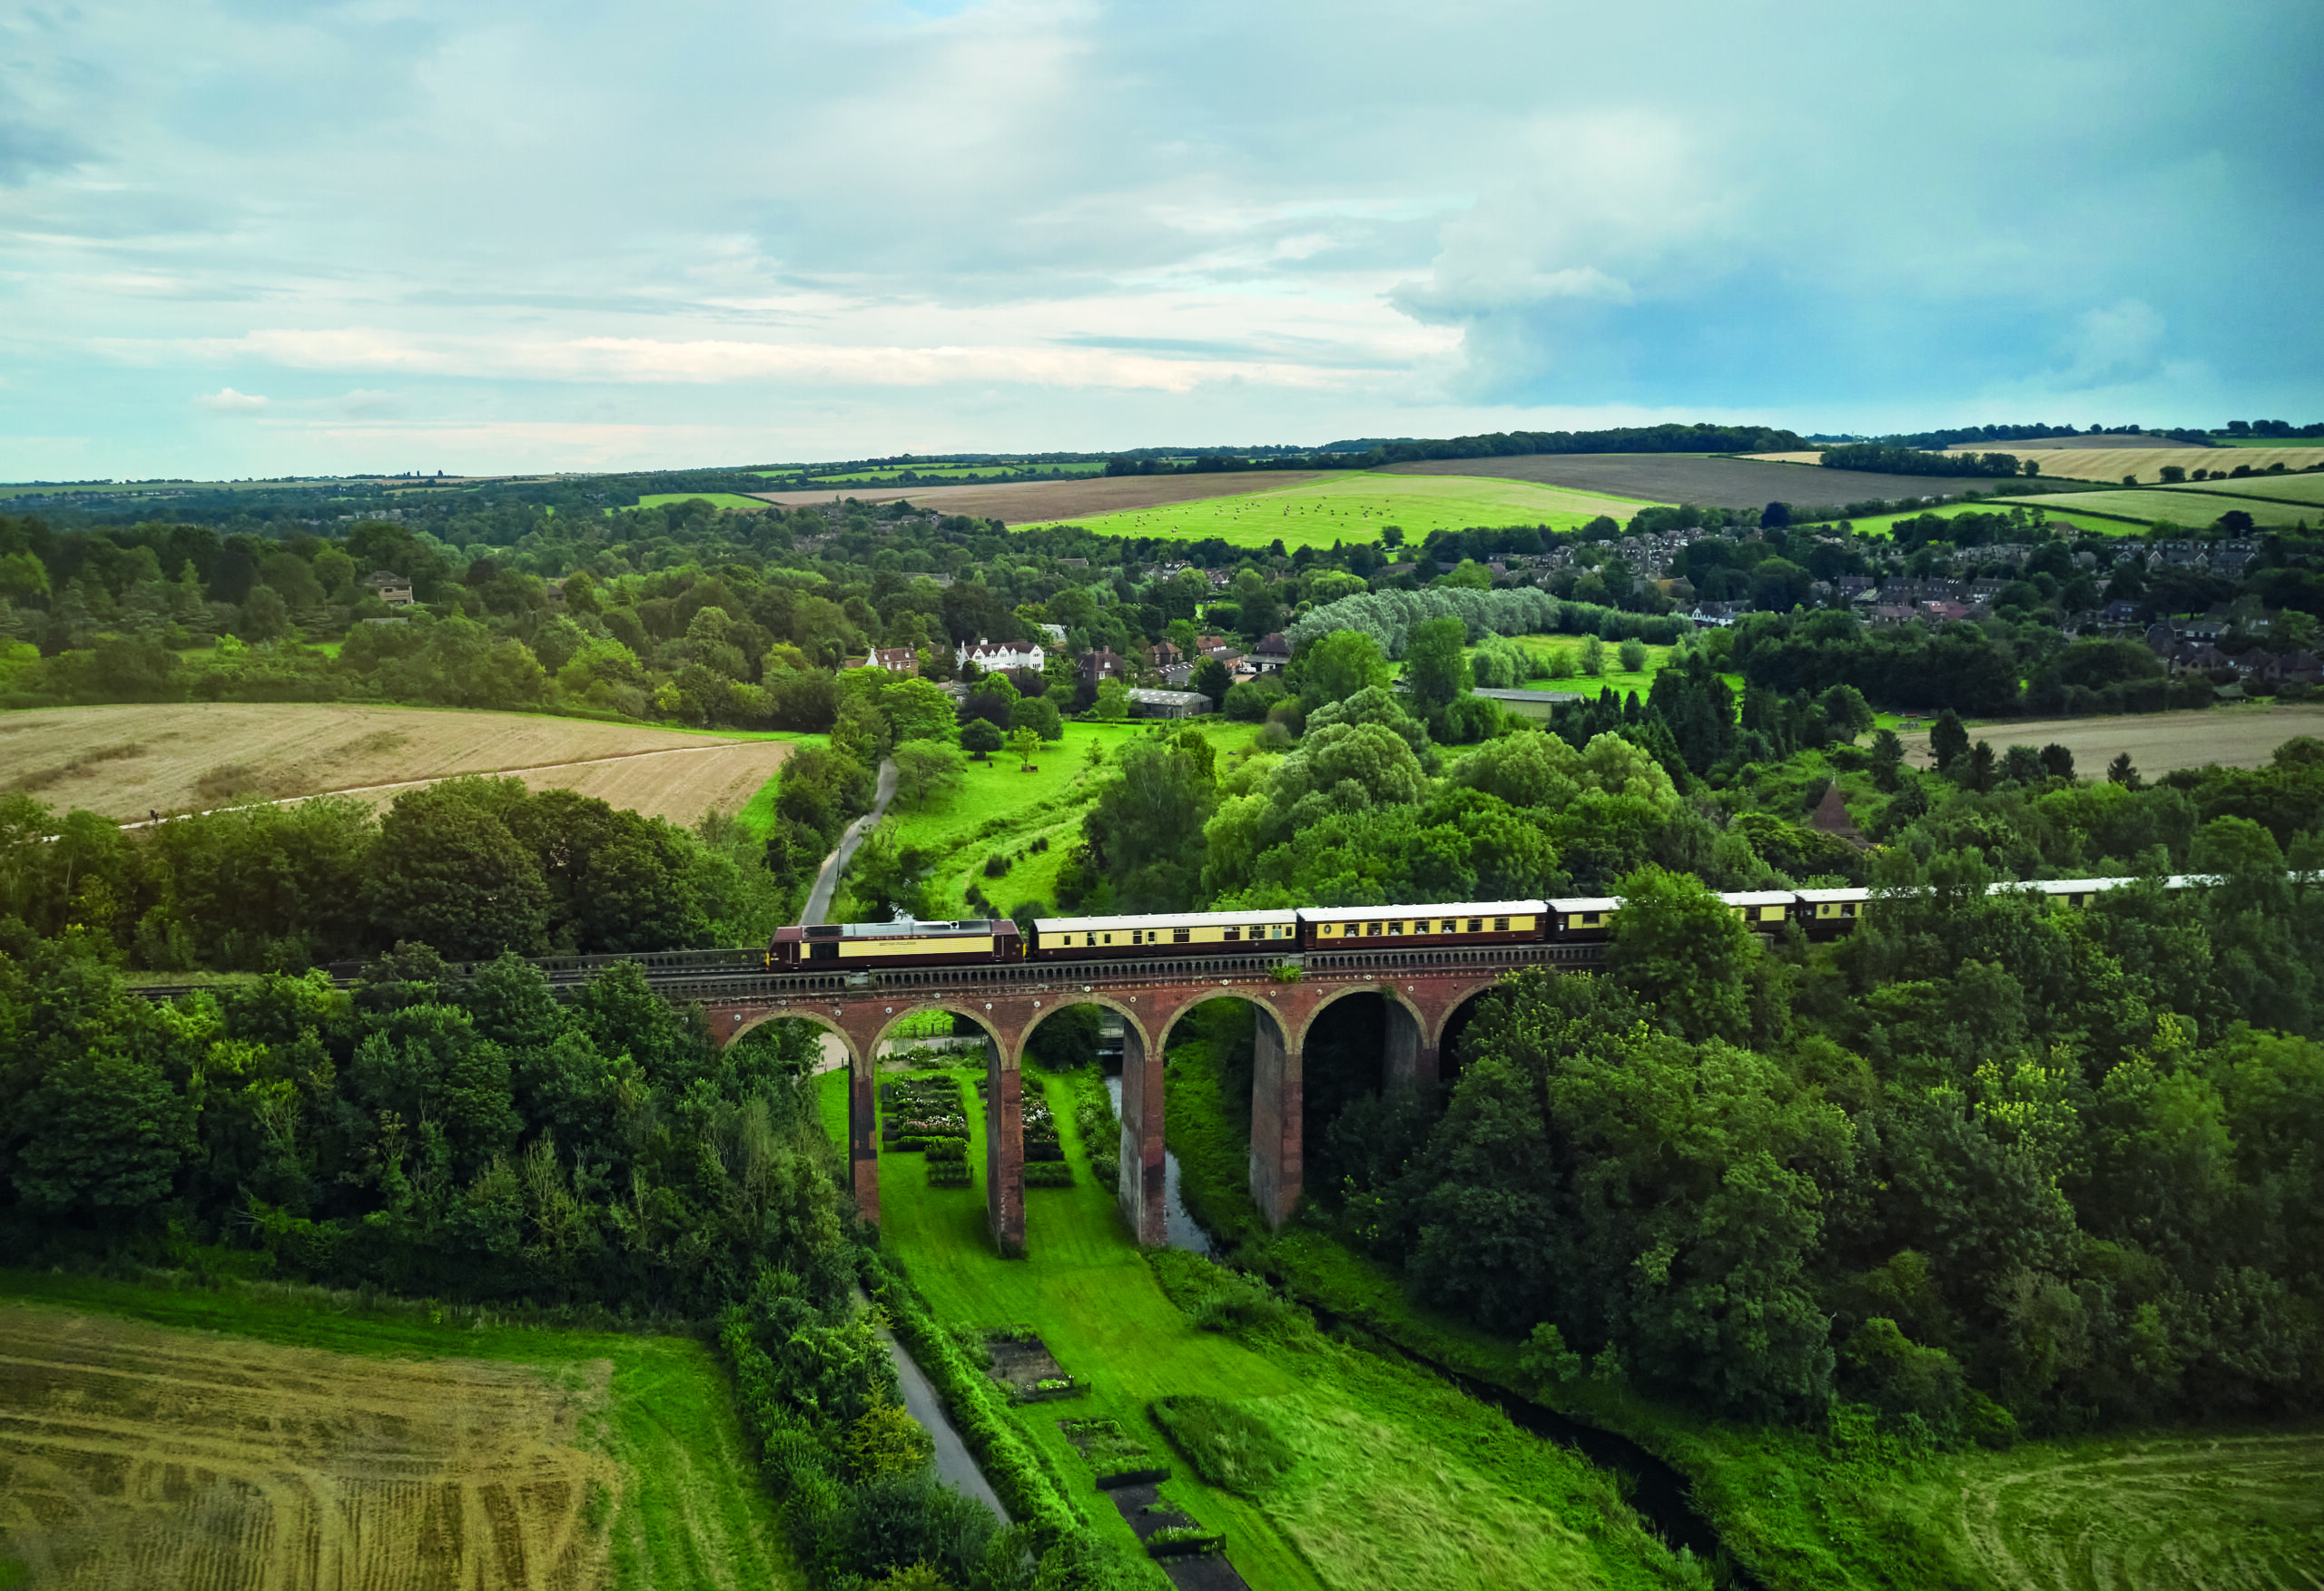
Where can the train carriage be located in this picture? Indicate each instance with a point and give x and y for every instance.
(895, 943)
(1197, 933)
(1825, 914)
(1585, 917)
(1487, 922)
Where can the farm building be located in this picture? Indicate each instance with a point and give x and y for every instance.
(1168, 704)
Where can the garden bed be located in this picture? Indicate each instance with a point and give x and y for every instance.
(1023, 1365)
(1118, 1458)
(1193, 1557)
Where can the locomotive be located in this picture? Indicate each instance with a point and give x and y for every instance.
(1296, 930)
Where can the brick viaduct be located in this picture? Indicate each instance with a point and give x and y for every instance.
(1421, 991)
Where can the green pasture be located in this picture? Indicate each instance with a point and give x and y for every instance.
(694, 1499)
(999, 809)
(1399, 1479)
(1356, 506)
(715, 499)
(2058, 505)
(1622, 682)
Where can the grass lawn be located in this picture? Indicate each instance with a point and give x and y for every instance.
(1400, 1480)
(693, 1511)
(999, 808)
(1623, 681)
(1356, 506)
(715, 499)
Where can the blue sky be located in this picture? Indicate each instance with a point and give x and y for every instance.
(254, 237)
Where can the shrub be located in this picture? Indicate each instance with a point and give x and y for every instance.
(943, 1149)
(1047, 1173)
(1181, 1540)
(1237, 1304)
(950, 1173)
(1228, 1445)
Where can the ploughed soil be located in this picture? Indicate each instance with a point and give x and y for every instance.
(132, 1455)
(124, 761)
(1037, 502)
(1686, 477)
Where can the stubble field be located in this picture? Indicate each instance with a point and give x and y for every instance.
(135, 1455)
(1711, 482)
(2232, 736)
(1048, 502)
(124, 761)
(2112, 464)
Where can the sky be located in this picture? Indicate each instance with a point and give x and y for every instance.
(261, 237)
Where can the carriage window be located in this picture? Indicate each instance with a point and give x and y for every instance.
(1180, 936)
(1396, 928)
(1849, 909)
(1476, 925)
(1589, 919)
(1234, 933)
(1372, 929)
(1500, 925)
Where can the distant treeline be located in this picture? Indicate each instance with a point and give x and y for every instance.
(1885, 459)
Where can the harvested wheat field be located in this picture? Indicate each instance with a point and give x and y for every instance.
(1041, 502)
(2233, 737)
(2110, 463)
(126, 761)
(319, 1444)
(135, 1457)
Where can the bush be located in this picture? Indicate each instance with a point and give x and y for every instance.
(1228, 1445)
(948, 1149)
(950, 1173)
(1237, 1304)
(1047, 1173)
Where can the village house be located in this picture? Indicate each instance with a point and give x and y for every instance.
(990, 655)
(1102, 664)
(897, 660)
(395, 590)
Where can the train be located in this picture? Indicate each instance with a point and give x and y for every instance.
(1297, 930)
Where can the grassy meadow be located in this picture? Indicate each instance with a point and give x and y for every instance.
(1356, 506)
(2187, 506)
(660, 1490)
(1399, 1479)
(999, 809)
(715, 499)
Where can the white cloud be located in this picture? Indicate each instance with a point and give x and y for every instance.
(2120, 342)
(228, 401)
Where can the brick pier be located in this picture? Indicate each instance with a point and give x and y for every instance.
(1423, 991)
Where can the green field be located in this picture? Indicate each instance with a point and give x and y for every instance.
(1621, 680)
(1356, 506)
(690, 1509)
(1400, 1480)
(2058, 507)
(998, 808)
(715, 499)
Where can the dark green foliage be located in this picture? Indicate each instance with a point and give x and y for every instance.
(1047, 1173)
(1226, 1443)
(465, 1139)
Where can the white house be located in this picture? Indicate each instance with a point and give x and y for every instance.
(990, 655)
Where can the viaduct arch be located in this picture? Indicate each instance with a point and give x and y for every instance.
(1422, 991)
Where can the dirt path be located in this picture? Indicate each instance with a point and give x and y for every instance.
(819, 898)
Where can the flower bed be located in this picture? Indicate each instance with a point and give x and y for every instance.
(1118, 1457)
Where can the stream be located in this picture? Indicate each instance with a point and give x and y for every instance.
(1178, 1227)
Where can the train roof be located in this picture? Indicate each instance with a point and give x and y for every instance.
(1830, 897)
(1759, 896)
(1586, 904)
(1183, 919)
(976, 925)
(1423, 908)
